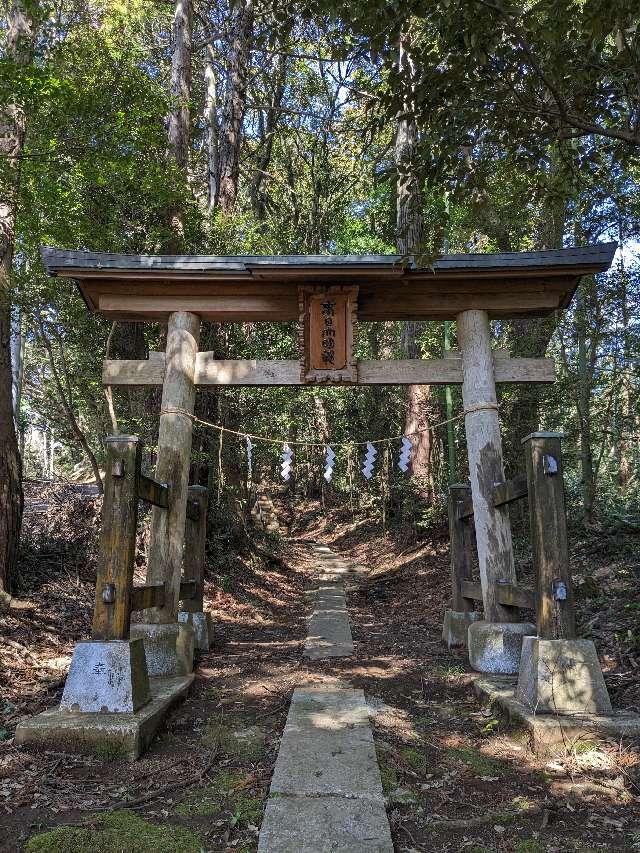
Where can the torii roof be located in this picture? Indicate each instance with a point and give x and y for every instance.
(391, 287)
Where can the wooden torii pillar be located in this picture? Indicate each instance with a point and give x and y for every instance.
(484, 448)
(166, 542)
(169, 644)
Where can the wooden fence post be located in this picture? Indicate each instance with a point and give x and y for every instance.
(112, 612)
(556, 608)
(461, 548)
(195, 537)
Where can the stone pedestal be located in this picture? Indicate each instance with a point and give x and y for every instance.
(118, 735)
(168, 647)
(497, 646)
(202, 626)
(107, 677)
(456, 625)
(561, 677)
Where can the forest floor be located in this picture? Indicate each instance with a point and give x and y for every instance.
(456, 776)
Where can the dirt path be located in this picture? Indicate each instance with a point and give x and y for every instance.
(443, 758)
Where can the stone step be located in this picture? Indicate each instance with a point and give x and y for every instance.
(326, 793)
(328, 628)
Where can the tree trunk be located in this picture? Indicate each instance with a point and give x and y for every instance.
(409, 191)
(211, 124)
(529, 338)
(258, 199)
(584, 413)
(625, 415)
(19, 37)
(179, 130)
(235, 103)
(409, 228)
(17, 365)
(322, 426)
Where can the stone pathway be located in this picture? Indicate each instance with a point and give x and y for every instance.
(326, 794)
(328, 632)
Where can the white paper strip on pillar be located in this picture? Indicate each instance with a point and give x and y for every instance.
(369, 461)
(405, 455)
(330, 457)
(249, 457)
(287, 462)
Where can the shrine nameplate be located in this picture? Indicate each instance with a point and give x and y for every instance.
(327, 318)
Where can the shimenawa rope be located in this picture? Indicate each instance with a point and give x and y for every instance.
(479, 407)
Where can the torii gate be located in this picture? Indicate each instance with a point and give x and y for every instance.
(326, 294)
(472, 289)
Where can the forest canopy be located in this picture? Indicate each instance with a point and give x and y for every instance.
(322, 128)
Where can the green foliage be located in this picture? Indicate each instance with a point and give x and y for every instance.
(389, 777)
(502, 166)
(110, 752)
(416, 759)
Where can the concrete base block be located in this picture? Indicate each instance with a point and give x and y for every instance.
(561, 677)
(108, 735)
(456, 625)
(202, 625)
(555, 734)
(497, 646)
(107, 677)
(168, 647)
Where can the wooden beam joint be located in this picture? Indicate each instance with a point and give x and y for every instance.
(148, 595)
(152, 492)
(509, 594)
(503, 493)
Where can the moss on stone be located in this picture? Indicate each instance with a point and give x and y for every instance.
(114, 832)
(584, 747)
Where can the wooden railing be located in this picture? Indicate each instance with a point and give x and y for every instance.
(124, 486)
(543, 486)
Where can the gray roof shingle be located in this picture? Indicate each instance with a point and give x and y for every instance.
(59, 260)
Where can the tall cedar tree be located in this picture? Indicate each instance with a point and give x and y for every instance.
(19, 47)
